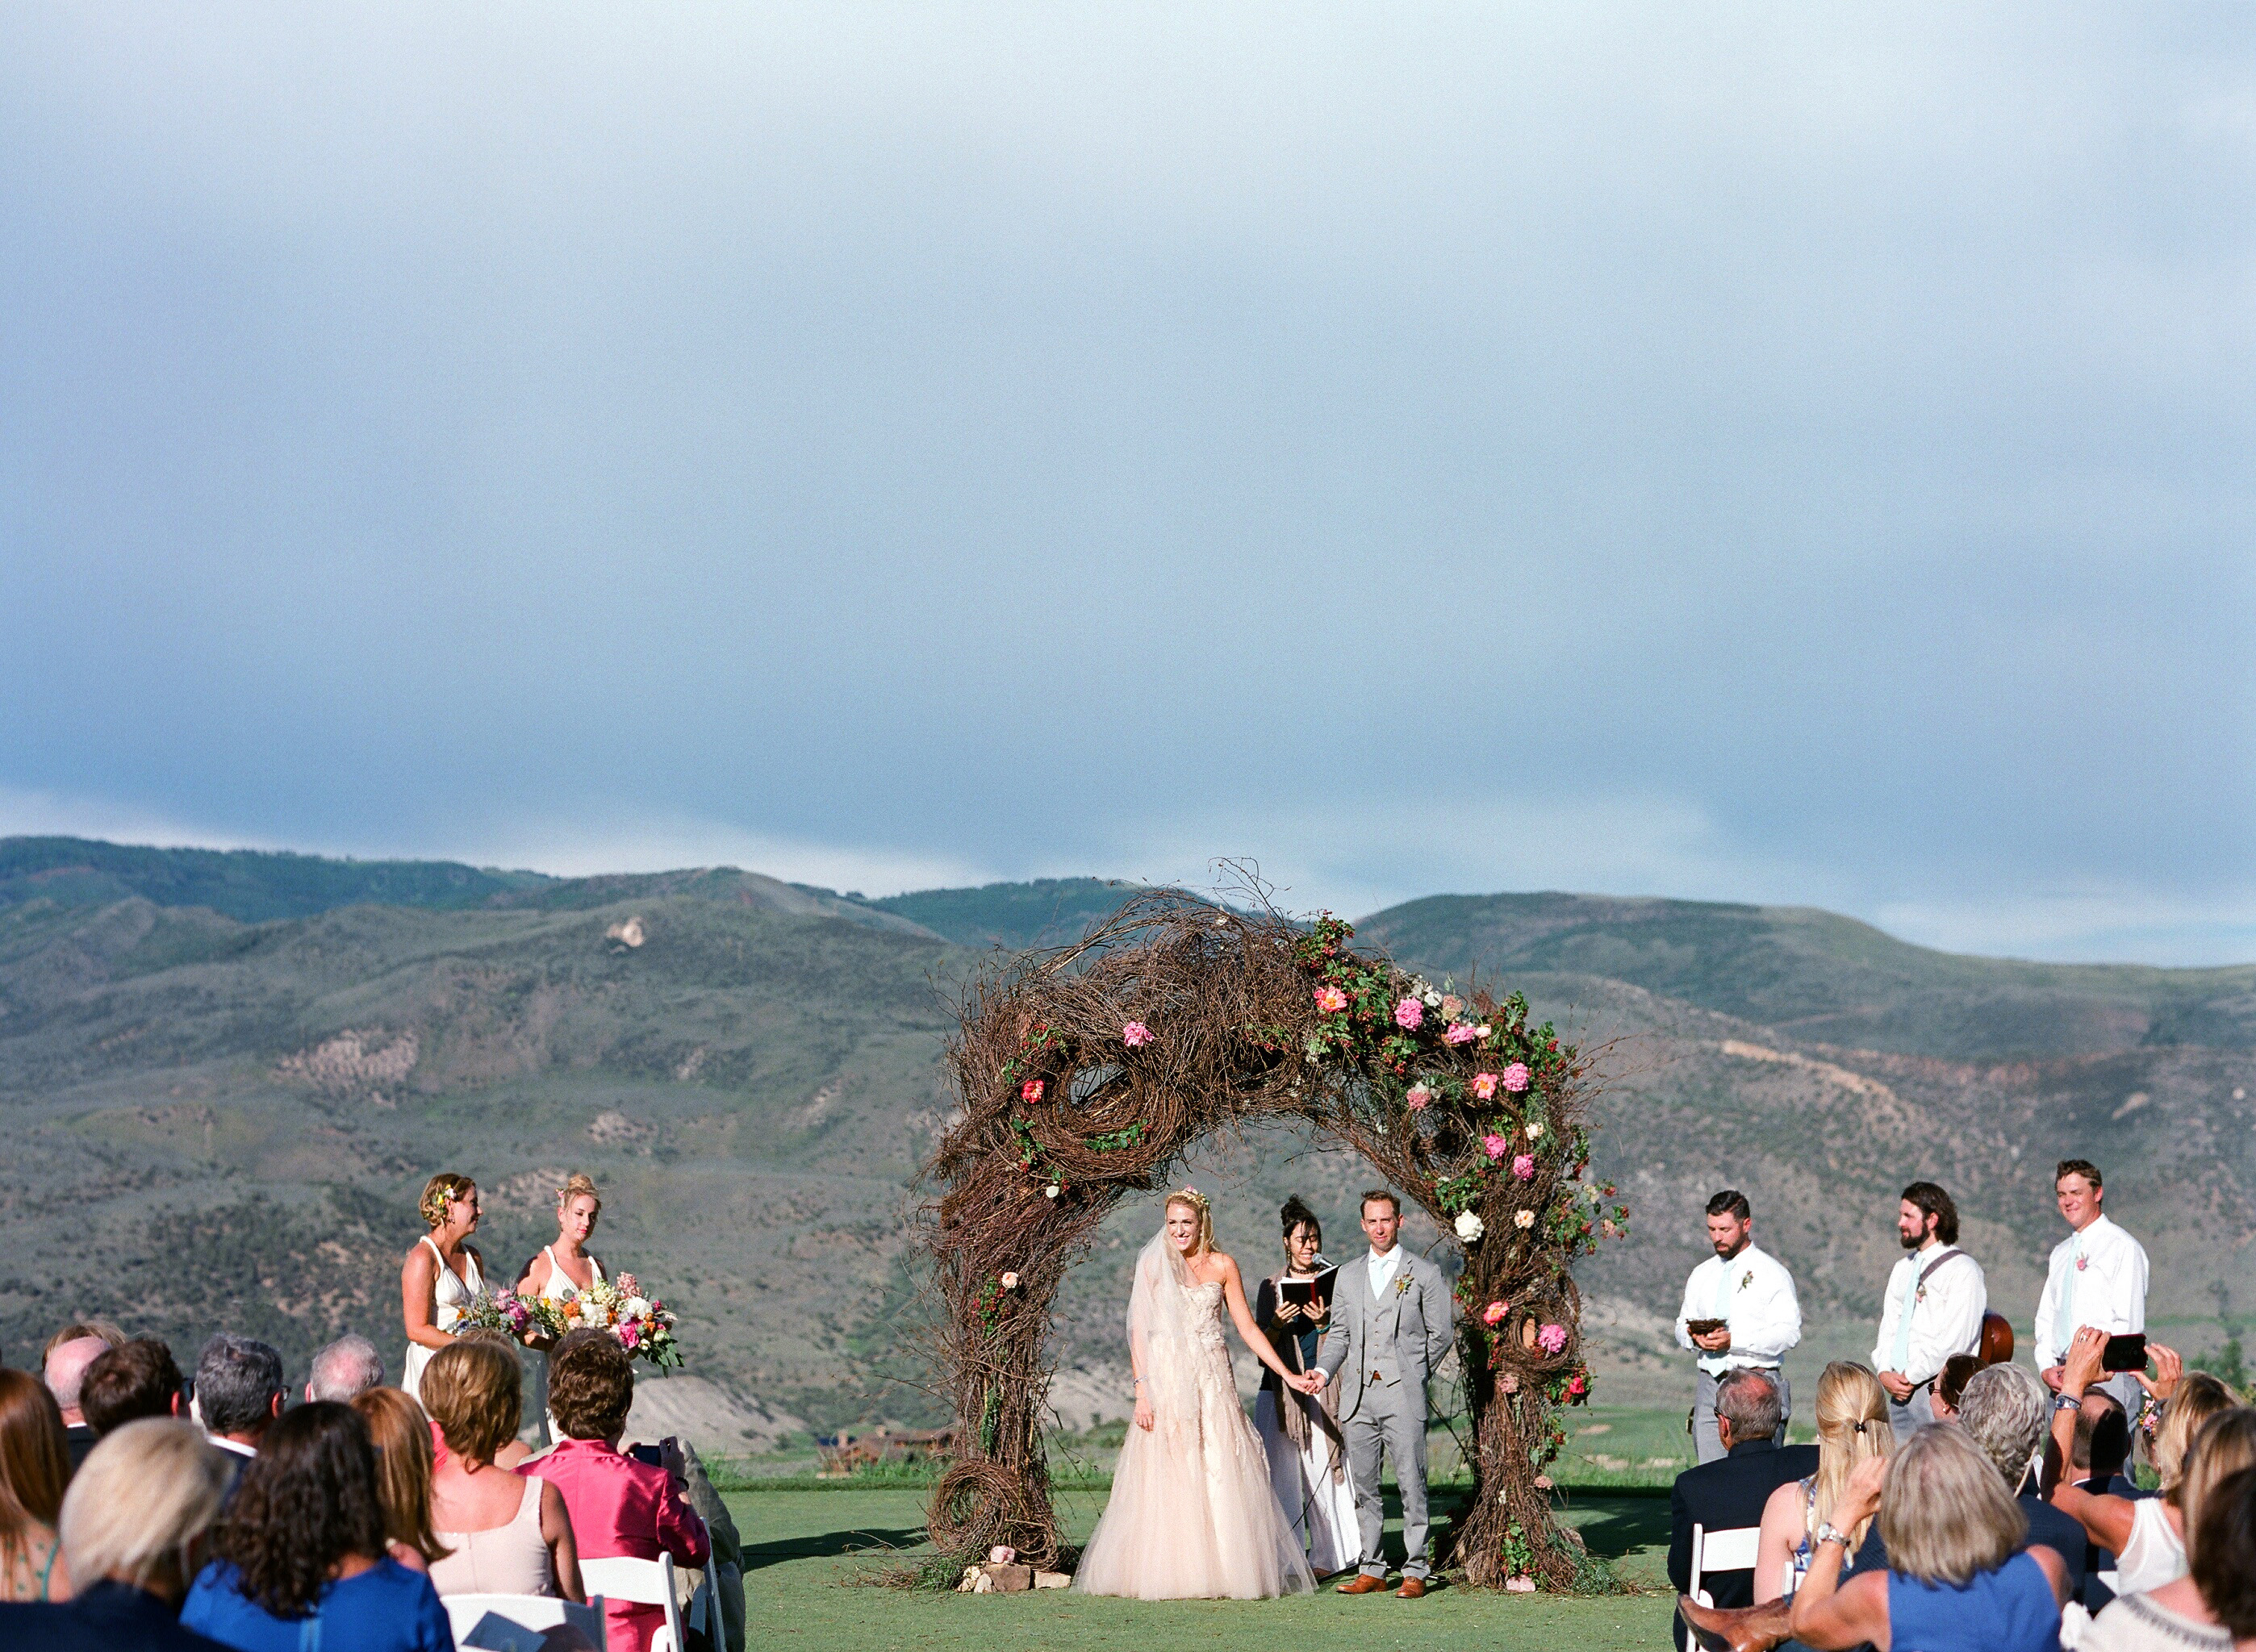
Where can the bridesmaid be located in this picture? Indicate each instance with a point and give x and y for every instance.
(565, 1264)
(442, 1274)
(1308, 1466)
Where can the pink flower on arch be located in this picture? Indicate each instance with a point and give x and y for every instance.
(1408, 1013)
(1418, 1095)
(1460, 1033)
(1554, 1338)
(1495, 1311)
(1578, 1384)
(1523, 1167)
(1515, 1077)
(1031, 1090)
(1330, 1000)
(1484, 1085)
(1495, 1146)
(1135, 1035)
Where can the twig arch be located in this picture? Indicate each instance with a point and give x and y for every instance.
(1084, 1073)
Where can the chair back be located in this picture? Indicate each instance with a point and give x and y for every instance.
(1732, 1550)
(646, 1583)
(524, 1623)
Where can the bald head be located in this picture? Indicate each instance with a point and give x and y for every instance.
(66, 1373)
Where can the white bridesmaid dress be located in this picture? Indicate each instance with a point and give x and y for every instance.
(553, 1292)
(450, 1294)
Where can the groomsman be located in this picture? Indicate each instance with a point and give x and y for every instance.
(1752, 1294)
(2097, 1277)
(1936, 1300)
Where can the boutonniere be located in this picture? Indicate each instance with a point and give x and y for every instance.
(1402, 1286)
(1919, 1296)
(1746, 1278)
(2082, 1262)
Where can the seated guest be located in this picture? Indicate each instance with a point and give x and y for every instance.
(2194, 1612)
(507, 1534)
(2147, 1535)
(1852, 1424)
(343, 1371)
(513, 1453)
(2101, 1447)
(134, 1380)
(1732, 1491)
(303, 1539)
(239, 1392)
(2003, 1411)
(1959, 1577)
(1958, 1371)
(64, 1372)
(401, 1434)
(34, 1469)
(136, 1511)
(621, 1507)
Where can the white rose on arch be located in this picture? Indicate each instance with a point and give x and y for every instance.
(1471, 1227)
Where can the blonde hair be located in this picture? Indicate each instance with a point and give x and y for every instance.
(1191, 1200)
(402, 1438)
(475, 1392)
(1946, 1514)
(2199, 1397)
(574, 1184)
(440, 1191)
(144, 1493)
(2222, 1446)
(1853, 1425)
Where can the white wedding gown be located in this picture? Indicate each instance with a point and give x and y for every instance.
(1191, 1514)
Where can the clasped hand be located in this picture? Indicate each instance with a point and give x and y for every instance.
(1316, 1311)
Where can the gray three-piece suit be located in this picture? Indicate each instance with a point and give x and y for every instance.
(1381, 1353)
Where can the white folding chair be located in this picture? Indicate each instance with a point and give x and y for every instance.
(1732, 1550)
(524, 1623)
(646, 1583)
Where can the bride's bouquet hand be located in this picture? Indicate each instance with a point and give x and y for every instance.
(1146, 1417)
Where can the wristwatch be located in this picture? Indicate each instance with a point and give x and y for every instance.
(2062, 1403)
(1829, 1533)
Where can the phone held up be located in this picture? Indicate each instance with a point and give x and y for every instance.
(2124, 1353)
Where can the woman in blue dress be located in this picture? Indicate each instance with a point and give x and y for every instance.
(301, 1559)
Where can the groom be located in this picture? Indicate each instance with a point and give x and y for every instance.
(1391, 1324)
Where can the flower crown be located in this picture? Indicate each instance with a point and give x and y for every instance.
(1191, 1197)
(436, 1200)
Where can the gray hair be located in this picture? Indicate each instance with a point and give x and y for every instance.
(2004, 1411)
(1749, 1399)
(238, 1379)
(147, 1490)
(346, 1369)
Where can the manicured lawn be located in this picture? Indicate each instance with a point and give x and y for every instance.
(804, 1548)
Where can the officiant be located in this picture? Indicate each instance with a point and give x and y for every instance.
(1740, 1313)
(1308, 1460)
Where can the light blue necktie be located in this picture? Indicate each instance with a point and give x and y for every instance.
(1903, 1320)
(2068, 1303)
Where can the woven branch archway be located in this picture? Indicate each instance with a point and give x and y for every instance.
(1085, 1073)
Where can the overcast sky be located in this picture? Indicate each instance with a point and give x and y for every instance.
(1786, 455)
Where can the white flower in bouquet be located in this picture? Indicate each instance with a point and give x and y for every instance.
(1471, 1227)
(638, 1308)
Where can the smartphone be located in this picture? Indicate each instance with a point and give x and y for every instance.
(2124, 1353)
(644, 1454)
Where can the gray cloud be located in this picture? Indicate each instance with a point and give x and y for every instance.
(1797, 456)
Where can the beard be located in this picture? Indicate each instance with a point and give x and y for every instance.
(1911, 1241)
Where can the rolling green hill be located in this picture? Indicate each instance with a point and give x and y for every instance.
(212, 1121)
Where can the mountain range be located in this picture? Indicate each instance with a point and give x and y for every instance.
(224, 1076)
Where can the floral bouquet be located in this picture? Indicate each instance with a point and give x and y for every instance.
(511, 1314)
(642, 1325)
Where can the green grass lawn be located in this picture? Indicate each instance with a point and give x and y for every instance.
(805, 1549)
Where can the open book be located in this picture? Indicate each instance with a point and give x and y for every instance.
(1307, 1291)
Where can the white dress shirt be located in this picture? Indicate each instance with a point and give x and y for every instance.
(2097, 1277)
(1753, 1294)
(1383, 1270)
(1946, 1313)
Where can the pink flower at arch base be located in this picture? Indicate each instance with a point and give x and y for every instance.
(1031, 1090)
(1408, 1013)
(1515, 1077)
(1554, 1338)
(1460, 1033)
(1495, 1311)
(1578, 1384)
(1135, 1035)
(1330, 1000)
(1495, 1146)
(1483, 1084)
(1523, 1167)
(1418, 1095)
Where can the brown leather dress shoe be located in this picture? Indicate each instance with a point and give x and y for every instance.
(1364, 1584)
(1735, 1628)
(1412, 1589)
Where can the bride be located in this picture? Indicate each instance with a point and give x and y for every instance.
(1191, 1514)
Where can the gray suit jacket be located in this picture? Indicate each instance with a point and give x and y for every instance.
(1408, 1332)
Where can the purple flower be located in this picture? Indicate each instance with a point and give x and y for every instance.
(1515, 1077)
(1554, 1338)
(1408, 1013)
